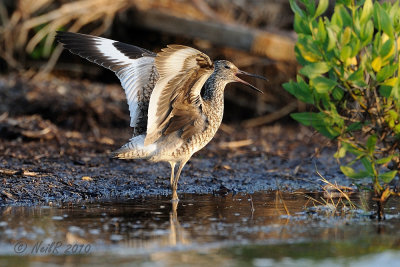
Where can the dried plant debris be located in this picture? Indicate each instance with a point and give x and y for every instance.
(71, 104)
(32, 127)
(43, 18)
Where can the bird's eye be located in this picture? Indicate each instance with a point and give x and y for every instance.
(227, 67)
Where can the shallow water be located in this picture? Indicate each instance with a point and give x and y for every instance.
(261, 229)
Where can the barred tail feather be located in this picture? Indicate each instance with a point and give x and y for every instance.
(135, 149)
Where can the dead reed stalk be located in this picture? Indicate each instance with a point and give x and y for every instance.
(33, 22)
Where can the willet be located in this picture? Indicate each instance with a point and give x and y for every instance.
(175, 97)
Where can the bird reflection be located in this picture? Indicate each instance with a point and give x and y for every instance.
(177, 233)
(165, 232)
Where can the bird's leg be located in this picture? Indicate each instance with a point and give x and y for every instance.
(172, 172)
(176, 179)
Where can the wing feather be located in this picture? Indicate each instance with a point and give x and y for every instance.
(134, 66)
(175, 102)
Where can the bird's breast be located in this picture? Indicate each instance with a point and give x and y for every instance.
(213, 115)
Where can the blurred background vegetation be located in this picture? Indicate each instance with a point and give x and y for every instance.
(38, 77)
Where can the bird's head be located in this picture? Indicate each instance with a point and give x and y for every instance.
(230, 72)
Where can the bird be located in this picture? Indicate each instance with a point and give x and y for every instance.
(175, 96)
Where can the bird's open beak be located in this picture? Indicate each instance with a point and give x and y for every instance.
(240, 72)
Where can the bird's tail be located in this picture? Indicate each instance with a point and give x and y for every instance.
(135, 149)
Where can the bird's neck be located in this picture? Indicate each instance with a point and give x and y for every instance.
(212, 94)
(213, 89)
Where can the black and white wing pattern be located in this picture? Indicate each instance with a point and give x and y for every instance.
(175, 103)
(134, 66)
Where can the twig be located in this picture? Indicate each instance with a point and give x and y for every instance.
(236, 144)
(272, 116)
(251, 205)
(226, 128)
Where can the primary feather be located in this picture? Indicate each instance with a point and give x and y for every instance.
(134, 66)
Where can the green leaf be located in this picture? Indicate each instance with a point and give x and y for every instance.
(395, 16)
(377, 42)
(350, 172)
(393, 114)
(382, 20)
(337, 19)
(341, 152)
(300, 90)
(356, 24)
(386, 23)
(357, 78)
(386, 72)
(300, 25)
(355, 45)
(353, 150)
(345, 53)
(308, 48)
(377, 64)
(296, 9)
(322, 7)
(371, 142)
(345, 38)
(321, 34)
(337, 93)
(323, 85)
(310, 7)
(366, 12)
(306, 118)
(345, 15)
(384, 160)
(314, 69)
(368, 165)
(331, 39)
(344, 2)
(320, 121)
(396, 129)
(385, 91)
(305, 91)
(355, 126)
(367, 33)
(387, 177)
(290, 87)
(377, 14)
(396, 90)
(387, 49)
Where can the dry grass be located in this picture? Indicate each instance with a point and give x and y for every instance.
(335, 200)
(35, 21)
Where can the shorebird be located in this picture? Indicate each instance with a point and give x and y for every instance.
(175, 97)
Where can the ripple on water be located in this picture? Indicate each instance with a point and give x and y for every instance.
(265, 230)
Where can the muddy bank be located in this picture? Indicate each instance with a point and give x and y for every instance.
(58, 151)
(79, 167)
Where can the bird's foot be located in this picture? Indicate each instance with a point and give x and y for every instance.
(174, 196)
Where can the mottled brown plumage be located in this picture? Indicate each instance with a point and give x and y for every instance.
(175, 97)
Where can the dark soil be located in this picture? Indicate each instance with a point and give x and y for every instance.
(56, 137)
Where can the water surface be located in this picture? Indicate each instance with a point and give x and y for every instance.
(261, 229)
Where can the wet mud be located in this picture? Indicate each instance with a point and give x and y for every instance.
(78, 167)
(58, 150)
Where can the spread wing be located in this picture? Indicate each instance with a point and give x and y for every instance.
(134, 66)
(175, 103)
